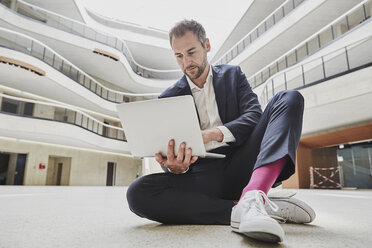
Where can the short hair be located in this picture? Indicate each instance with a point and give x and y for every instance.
(185, 25)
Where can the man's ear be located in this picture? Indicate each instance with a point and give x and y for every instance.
(207, 45)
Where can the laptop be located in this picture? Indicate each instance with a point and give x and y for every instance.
(149, 125)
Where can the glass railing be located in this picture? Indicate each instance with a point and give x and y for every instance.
(54, 112)
(77, 28)
(335, 29)
(282, 11)
(28, 45)
(349, 58)
(127, 26)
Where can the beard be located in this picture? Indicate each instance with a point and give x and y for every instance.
(200, 69)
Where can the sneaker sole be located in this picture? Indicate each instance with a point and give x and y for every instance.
(257, 235)
(306, 214)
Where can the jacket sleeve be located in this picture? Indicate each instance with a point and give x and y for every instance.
(249, 110)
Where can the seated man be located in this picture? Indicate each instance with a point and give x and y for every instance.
(260, 150)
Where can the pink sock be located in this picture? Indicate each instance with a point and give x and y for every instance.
(264, 177)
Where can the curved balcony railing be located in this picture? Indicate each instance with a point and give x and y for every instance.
(128, 26)
(77, 28)
(55, 112)
(282, 11)
(35, 48)
(357, 15)
(347, 59)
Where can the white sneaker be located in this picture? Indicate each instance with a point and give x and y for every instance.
(250, 218)
(291, 210)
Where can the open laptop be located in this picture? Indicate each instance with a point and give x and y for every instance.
(149, 125)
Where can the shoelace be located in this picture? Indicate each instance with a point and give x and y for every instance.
(260, 197)
(282, 220)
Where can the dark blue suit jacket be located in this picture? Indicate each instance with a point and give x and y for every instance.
(238, 106)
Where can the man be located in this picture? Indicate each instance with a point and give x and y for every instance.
(259, 147)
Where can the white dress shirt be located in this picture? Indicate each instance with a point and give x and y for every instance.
(205, 100)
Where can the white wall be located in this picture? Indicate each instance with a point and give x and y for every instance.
(338, 103)
(87, 167)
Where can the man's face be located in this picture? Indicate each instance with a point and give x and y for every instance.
(190, 54)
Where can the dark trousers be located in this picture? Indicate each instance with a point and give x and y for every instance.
(205, 194)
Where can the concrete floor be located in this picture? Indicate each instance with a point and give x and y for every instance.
(99, 217)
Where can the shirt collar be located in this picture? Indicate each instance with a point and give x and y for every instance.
(195, 88)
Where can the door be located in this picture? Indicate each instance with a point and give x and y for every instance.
(111, 173)
(59, 173)
(20, 169)
(4, 164)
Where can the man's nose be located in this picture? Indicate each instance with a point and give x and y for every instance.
(186, 61)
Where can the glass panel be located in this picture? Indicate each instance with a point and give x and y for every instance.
(326, 36)
(340, 27)
(23, 43)
(368, 8)
(279, 80)
(261, 29)
(78, 28)
(291, 59)
(98, 90)
(90, 34)
(278, 15)
(360, 54)
(313, 71)
(335, 63)
(356, 18)
(282, 64)
(240, 47)
(265, 75)
(85, 121)
(65, 24)
(74, 74)
(104, 93)
(254, 35)
(112, 96)
(301, 52)
(294, 78)
(59, 114)
(70, 114)
(90, 124)
(79, 119)
(288, 7)
(48, 58)
(273, 69)
(111, 41)
(101, 38)
(58, 63)
(313, 45)
(356, 163)
(269, 23)
(37, 50)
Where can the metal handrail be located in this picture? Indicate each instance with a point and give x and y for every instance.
(277, 15)
(124, 25)
(81, 29)
(338, 62)
(35, 48)
(329, 31)
(72, 116)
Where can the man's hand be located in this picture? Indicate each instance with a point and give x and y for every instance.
(177, 164)
(213, 134)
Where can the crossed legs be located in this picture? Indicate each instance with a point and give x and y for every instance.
(204, 194)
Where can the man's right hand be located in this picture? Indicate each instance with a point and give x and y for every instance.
(178, 164)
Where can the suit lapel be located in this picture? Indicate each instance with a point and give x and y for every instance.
(220, 92)
(184, 89)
